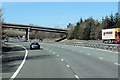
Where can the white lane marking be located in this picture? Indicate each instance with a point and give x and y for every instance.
(76, 77)
(50, 51)
(62, 60)
(53, 53)
(57, 55)
(88, 47)
(88, 54)
(115, 52)
(44, 48)
(21, 65)
(100, 57)
(101, 49)
(41, 47)
(68, 66)
(116, 64)
(1, 56)
(104, 50)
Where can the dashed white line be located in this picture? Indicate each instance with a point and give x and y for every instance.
(76, 77)
(68, 66)
(100, 57)
(88, 54)
(57, 55)
(62, 60)
(41, 47)
(116, 64)
(53, 53)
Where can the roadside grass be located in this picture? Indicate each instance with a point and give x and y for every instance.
(14, 32)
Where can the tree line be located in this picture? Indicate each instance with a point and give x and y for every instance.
(91, 29)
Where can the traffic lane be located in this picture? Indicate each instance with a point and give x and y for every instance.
(11, 60)
(105, 54)
(86, 66)
(44, 64)
(25, 44)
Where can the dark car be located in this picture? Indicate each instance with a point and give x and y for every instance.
(34, 45)
(116, 41)
(40, 40)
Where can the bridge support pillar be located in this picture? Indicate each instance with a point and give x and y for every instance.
(27, 34)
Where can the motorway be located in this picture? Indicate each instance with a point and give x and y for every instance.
(55, 60)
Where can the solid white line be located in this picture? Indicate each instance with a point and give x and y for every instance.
(116, 64)
(104, 50)
(100, 57)
(115, 52)
(62, 60)
(101, 50)
(88, 47)
(76, 77)
(68, 66)
(21, 65)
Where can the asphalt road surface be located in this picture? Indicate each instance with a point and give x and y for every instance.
(65, 61)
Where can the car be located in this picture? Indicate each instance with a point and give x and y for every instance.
(116, 42)
(40, 39)
(34, 45)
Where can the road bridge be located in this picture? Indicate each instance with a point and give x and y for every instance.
(27, 28)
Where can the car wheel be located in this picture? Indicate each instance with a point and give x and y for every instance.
(39, 47)
(30, 48)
